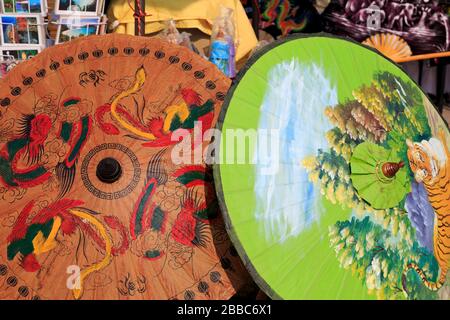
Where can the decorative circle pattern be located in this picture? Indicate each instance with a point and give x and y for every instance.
(110, 195)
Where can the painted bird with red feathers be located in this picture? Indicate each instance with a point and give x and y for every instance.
(182, 115)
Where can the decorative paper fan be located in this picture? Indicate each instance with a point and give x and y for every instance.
(308, 105)
(391, 45)
(92, 204)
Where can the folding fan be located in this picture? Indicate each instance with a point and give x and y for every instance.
(93, 205)
(335, 181)
(391, 45)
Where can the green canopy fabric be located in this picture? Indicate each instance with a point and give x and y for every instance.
(292, 121)
(369, 180)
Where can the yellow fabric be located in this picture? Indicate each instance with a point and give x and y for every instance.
(199, 14)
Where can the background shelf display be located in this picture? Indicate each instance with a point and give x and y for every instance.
(29, 26)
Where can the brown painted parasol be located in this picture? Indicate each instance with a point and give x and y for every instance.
(92, 205)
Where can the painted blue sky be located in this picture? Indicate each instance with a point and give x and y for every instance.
(287, 202)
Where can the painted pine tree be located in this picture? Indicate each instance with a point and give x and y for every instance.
(374, 244)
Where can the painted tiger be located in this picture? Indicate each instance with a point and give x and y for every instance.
(429, 161)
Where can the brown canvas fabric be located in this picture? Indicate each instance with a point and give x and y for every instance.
(146, 229)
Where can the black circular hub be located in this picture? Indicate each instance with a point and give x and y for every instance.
(109, 170)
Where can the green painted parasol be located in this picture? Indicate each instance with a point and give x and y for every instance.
(289, 195)
(378, 175)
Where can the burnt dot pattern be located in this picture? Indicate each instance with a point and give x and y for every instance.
(210, 85)
(41, 73)
(5, 102)
(3, 270)
(144, 51)
(159, 54)
(16, 91)
(54, 65)
(97, 53)
(11, 281)
(68, 60)
(220, 96)
(174, 59)
(113, 51)
(215, 276)
(189, 295)
(199, 74)
(23, 291)
(186, 66)
(27, 81)
(83, 55)
(203, 287)
(128, 51)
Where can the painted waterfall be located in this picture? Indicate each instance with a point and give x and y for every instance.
(293, 104)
